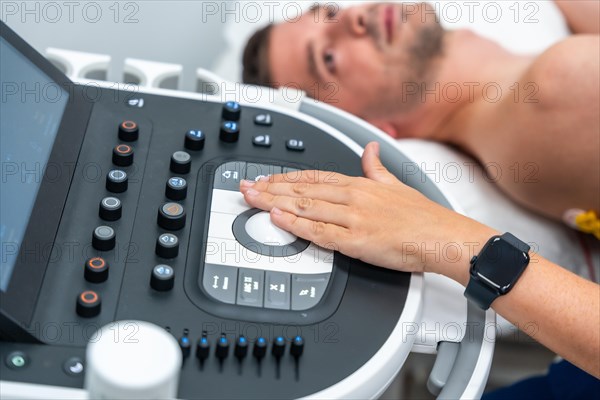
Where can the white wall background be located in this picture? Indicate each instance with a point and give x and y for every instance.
(212, 34)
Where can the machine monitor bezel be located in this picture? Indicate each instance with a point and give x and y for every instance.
(19, 300)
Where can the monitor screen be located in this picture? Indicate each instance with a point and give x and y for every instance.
(32, 106)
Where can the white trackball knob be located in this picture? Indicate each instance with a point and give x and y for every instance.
(132, 360)
(261, 229)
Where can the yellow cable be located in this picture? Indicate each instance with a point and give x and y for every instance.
(588, 222)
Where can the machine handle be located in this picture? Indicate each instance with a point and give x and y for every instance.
(446, 356)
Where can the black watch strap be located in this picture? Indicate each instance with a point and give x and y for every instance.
(510, 238)
(480, 293)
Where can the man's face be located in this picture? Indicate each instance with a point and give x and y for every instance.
(359, 59)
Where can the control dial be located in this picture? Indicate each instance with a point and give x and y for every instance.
(129, 131)
(176, 188)
(232, 111)
(88, 304)
(117, 181)
(122, 155)
(194, 140)
(181, 162)
(110, 209)
(96, 270)
(171, 216)
(167, 246)
(104, 238)
(162, 278)
(230, 132)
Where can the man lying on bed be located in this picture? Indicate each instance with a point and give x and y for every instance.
(396, 67)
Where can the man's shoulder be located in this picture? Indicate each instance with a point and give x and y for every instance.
(575, 48)
(571, 66)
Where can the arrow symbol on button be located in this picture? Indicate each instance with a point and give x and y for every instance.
(216, 284)
(230, 174)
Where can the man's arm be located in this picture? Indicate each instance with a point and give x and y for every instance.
(383, 222)
(583, 16)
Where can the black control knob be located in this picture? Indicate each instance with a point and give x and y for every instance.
(96, 270)
(181, 162)
(203, 348)
(297, 347)
(122, 155)
(232, 111)
(222, 347)
(116, 181)
(241, 347)
(176, 188)
(185, 346)
(110, 209)
(171, 216)
(88, 304)
(167, 246)
(230, 132)
(163, 278)
(129, 131)
(278, 347)
(194, 140)
(104, 238)
(260, 348)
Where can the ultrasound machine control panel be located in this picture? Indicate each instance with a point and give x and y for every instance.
(125, 206)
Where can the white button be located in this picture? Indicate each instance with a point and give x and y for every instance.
(261, 229)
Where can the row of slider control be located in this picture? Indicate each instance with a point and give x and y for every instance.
(259, 350)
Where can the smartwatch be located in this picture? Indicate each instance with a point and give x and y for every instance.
(496, 269)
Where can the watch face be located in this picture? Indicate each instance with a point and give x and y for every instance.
(500, 264)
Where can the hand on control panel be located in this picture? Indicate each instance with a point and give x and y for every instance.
(378, 220)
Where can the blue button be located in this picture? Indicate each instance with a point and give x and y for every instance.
(231, 125)
(163, 270)
(177, 182)
(196, 134)
(233, 105)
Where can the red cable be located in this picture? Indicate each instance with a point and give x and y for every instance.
(588, 257)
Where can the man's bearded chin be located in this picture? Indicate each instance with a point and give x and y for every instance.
(424, 57)
(427, 49)
(421, 66)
